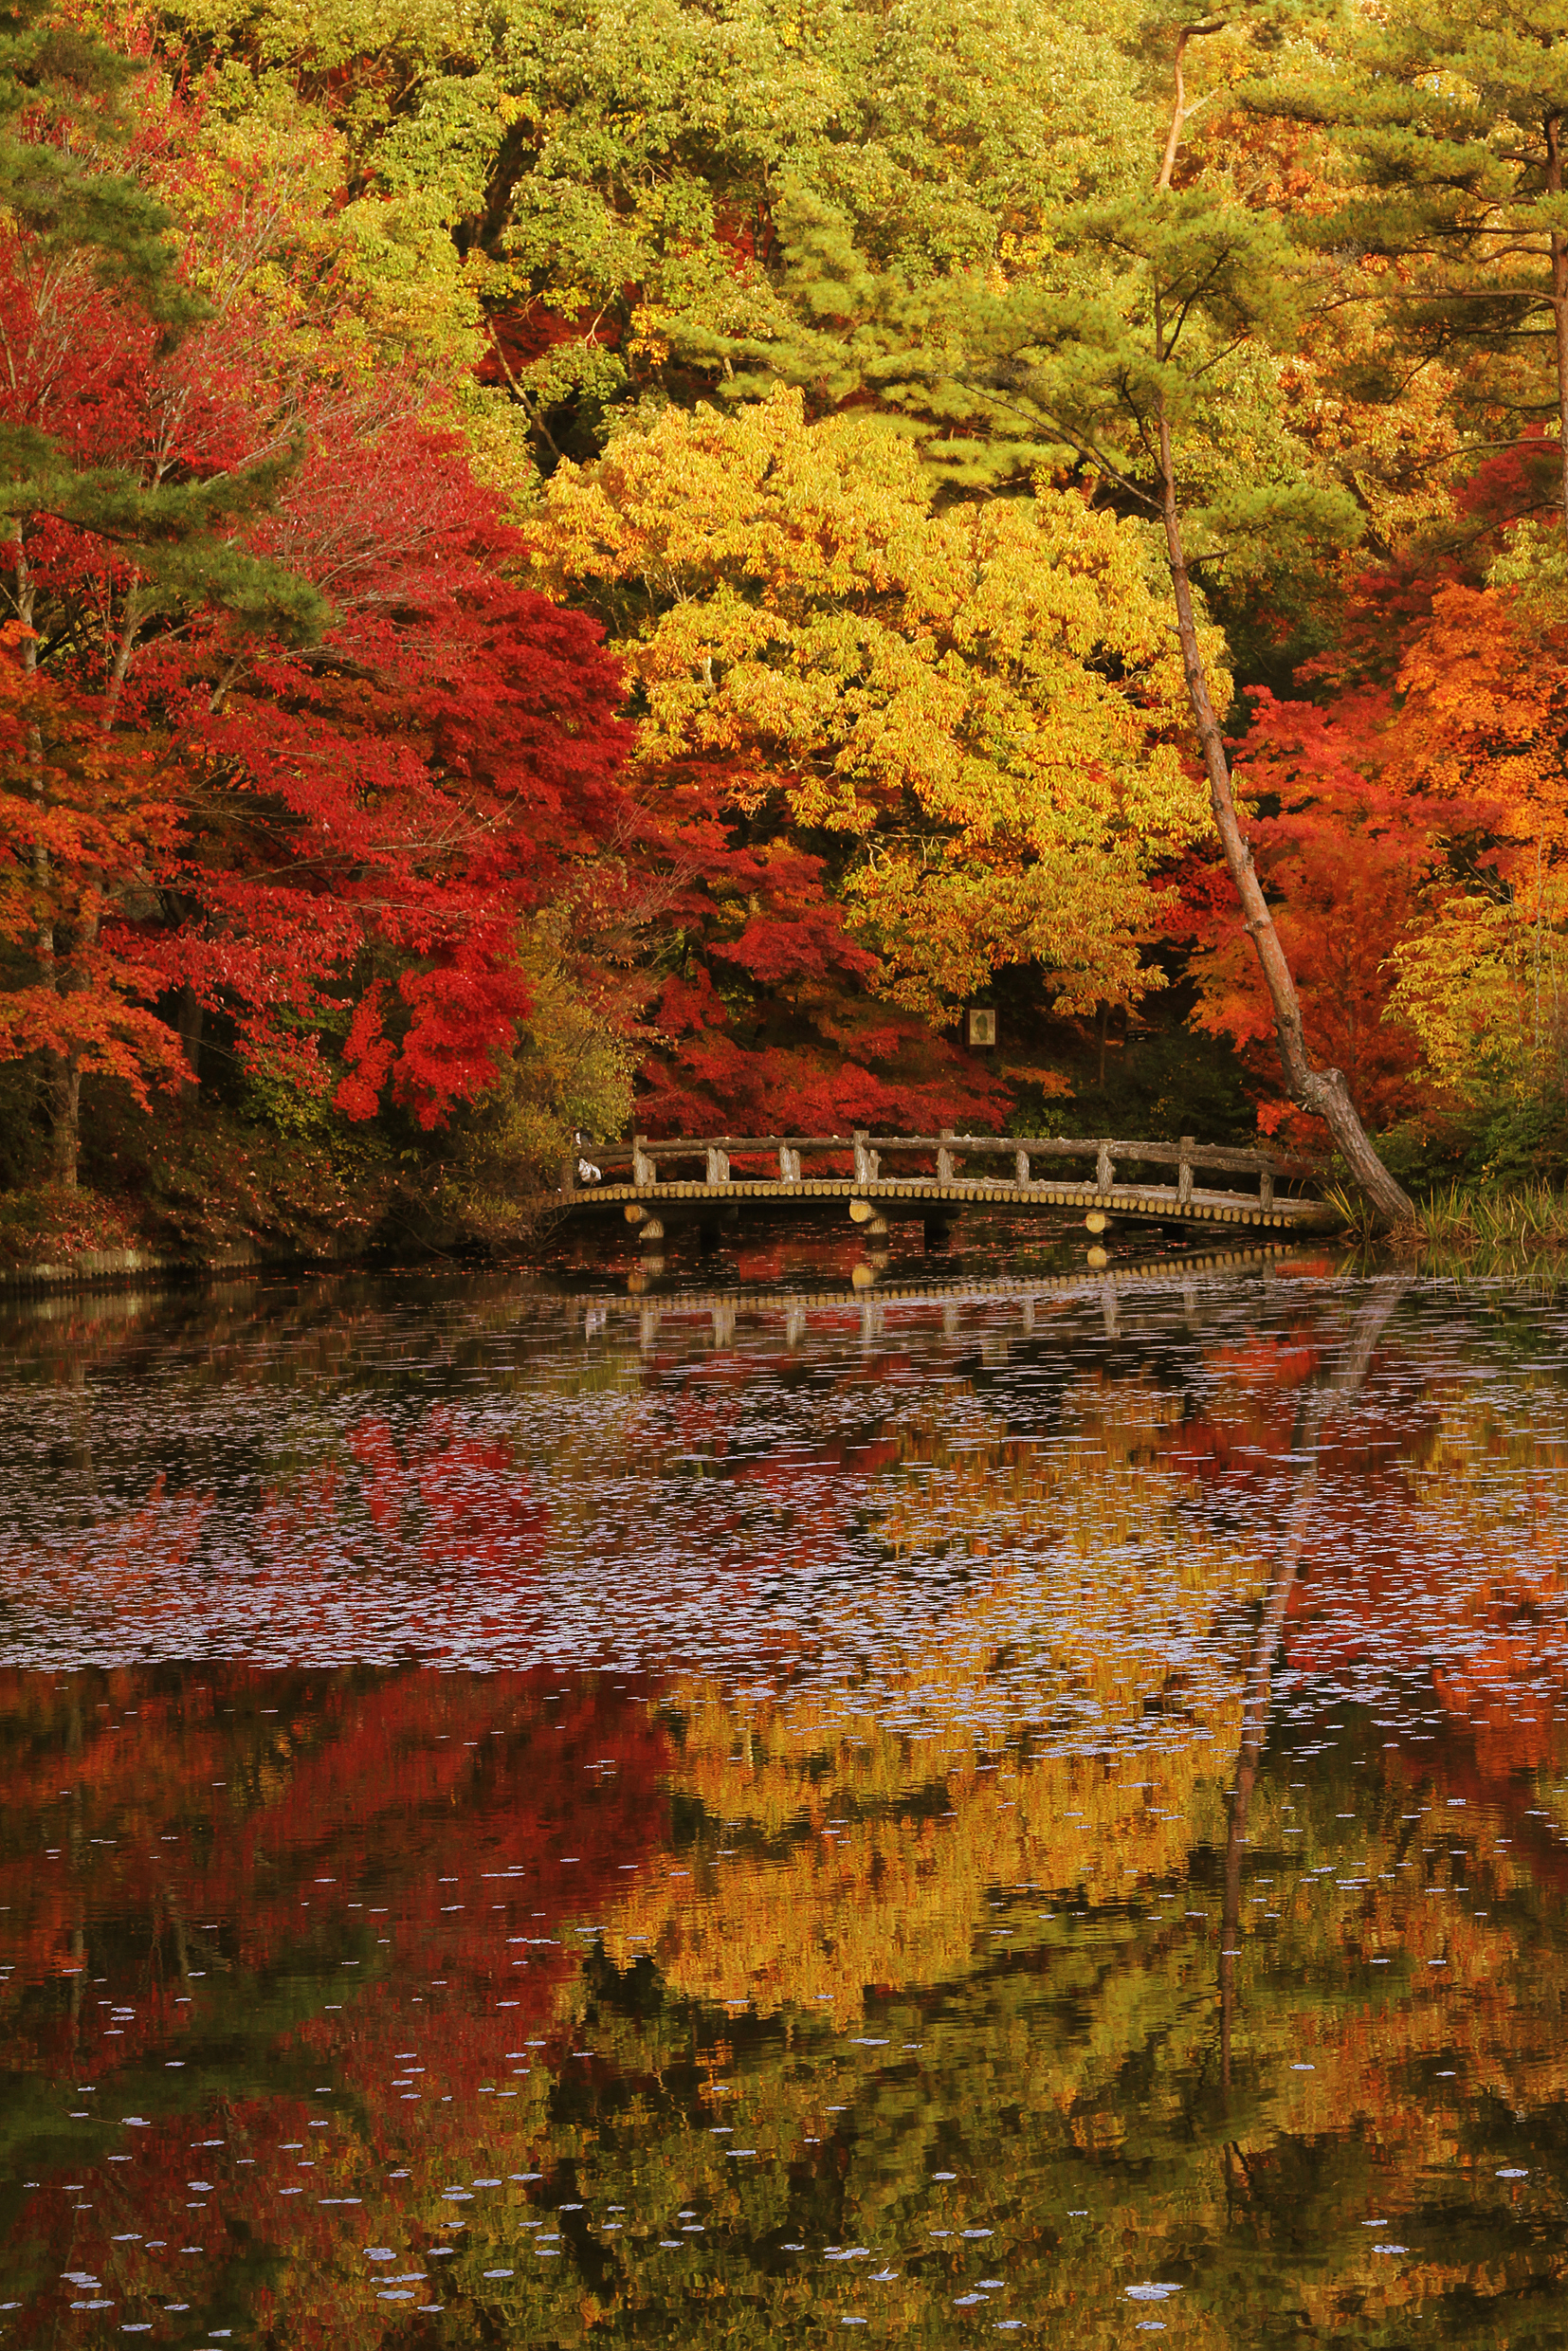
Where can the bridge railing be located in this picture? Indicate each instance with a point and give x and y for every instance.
(780, 1158)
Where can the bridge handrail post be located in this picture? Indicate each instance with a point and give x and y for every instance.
(1020, 1167)
(788, 1165)
(644, 1170)
(866, 1160)
(1105, 1167)
(1184, 1170)
(1266, 1181)
(944, 1156)
(719, 1165)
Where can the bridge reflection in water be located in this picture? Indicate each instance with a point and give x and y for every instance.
(873, 1298)
(934, 1178)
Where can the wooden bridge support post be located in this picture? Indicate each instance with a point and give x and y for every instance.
(944, 1156)
(1265, 1183)
(644, 1170)
(1105, 1168)
(1184, 1170)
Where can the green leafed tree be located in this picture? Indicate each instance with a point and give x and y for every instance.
(1204, 283)
(1450, 128)
(1159, 378)
(1137, 348)
(592, 205)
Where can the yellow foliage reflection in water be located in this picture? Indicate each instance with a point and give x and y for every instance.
(1081, 1757)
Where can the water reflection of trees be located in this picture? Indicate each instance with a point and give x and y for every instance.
(990, 1846)
(1061, 2063)
(1317, 1401)
(497, 1459)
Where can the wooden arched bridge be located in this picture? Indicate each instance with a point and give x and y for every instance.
(936, 1177)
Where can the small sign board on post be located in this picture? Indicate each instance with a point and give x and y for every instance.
(982, 1025)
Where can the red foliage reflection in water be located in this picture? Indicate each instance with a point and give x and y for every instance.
(196, 1922)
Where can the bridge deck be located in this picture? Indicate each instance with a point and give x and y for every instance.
(915, 1194)
(949, 1172)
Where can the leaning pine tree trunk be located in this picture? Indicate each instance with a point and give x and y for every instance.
(1321, 1091)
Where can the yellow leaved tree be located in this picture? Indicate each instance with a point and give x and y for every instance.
(971, 719)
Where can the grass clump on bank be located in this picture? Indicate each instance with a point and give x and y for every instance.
(1460, 1216)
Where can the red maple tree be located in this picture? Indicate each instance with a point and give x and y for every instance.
(1347, 853)
(770, 1023)
(283, 729)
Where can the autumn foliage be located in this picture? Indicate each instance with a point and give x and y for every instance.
(487, 655)
(1411, 826)
(287, 731)
(1349, 856)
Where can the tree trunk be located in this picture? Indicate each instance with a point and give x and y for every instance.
(62, 1081)
(1559, 308)
(189, 1024)
(1321, 1091)
(65, 1095)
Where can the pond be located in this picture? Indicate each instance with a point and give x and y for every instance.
(1023, 1807)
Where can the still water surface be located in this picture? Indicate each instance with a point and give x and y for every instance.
(539, 1819)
